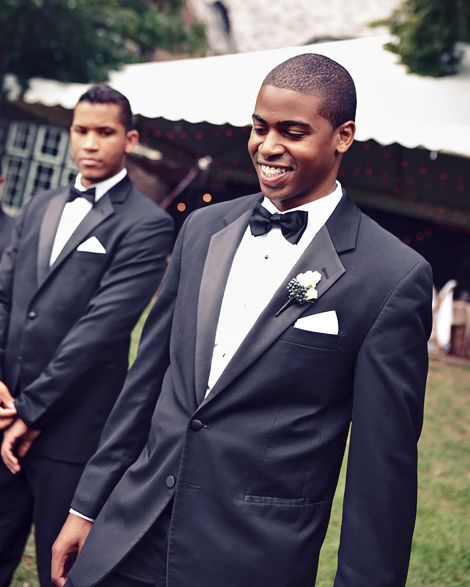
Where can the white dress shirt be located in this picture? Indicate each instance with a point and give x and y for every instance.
(74, 212)
(259, 267)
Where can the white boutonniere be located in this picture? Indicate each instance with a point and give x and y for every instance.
(302, 288)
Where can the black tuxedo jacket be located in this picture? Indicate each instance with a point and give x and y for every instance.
(253, 467)
(65, 329)
(7, 224)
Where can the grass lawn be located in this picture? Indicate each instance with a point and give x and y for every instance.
(441, 546)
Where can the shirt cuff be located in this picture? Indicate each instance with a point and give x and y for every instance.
(75, 513)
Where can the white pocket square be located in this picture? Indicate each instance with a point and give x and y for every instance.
(91, 245)
(325, 323)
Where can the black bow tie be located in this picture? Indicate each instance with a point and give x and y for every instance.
(292, 224)
(89, 194)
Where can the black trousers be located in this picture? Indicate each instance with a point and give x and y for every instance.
(39, 494)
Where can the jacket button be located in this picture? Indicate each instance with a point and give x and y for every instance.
(196, 425)
(32, 315)
(170, 481)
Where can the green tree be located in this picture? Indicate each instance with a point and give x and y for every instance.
(81, 40)
(427, 32)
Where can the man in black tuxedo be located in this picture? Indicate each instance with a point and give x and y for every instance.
(84, 262)
(7, 223)
(283, 317)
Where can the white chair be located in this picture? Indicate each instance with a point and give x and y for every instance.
(442, 314)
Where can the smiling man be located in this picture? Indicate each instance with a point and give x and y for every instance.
(81, 268)
(297, 159)
(283, 317)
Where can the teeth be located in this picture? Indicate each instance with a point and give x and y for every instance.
(273, 171)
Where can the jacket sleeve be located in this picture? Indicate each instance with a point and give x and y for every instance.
(128, 425)
(124, 290)
(7, 272)
(381, 483)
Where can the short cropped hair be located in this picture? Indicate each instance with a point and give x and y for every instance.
(104, 94)
(311, 73)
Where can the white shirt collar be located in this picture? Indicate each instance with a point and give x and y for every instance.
(318, 211)
(101, 187)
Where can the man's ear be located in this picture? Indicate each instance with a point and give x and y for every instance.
(132, 137)
(345, 134)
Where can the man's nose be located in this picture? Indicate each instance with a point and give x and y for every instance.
(271, 145)
(90, 141)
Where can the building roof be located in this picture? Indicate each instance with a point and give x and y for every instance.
(272, 24)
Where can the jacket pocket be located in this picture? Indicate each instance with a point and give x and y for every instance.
(282, 501)
(333, 342)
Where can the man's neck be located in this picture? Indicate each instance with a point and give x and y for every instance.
(101, 187)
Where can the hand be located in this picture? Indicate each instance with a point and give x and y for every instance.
(7, 407)
(18, 437)
(68, 544)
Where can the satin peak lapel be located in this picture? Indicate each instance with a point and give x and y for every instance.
(222, 248)
(100, 211)
(47, 232)
(320, 256)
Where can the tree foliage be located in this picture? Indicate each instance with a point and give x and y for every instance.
(427, 32)
(81, 40)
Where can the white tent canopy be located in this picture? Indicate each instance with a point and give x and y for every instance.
(393, 106)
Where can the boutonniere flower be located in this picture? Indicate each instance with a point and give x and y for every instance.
(302, 288)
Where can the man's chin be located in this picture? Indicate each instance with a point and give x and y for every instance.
(276, 197)
(93, 178)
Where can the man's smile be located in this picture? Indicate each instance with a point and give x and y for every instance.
(272, 175)
(270, 171)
